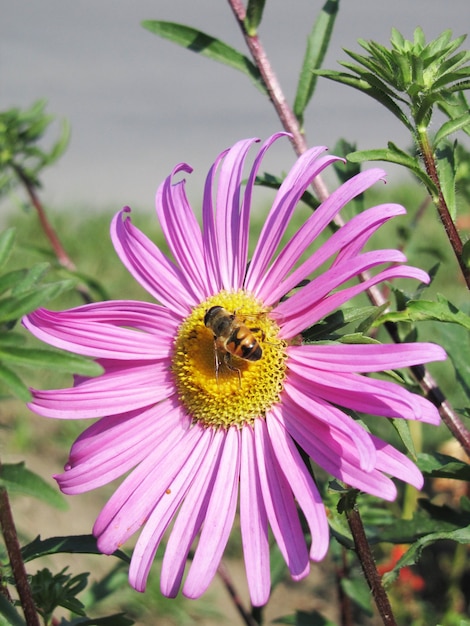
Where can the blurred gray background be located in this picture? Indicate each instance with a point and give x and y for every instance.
(138, 104)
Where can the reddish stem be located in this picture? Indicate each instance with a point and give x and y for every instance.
(368, 566)
(441, 204)
(10, 536)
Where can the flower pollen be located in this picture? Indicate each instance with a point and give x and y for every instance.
(217, 387)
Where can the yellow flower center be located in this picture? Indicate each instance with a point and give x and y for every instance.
(229, 363)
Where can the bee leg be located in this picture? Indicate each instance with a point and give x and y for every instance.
(217, 361)
(228, 363)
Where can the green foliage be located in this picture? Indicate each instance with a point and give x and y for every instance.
(207, 46)
(21, 159)
(72, 544)
(21, 292)
(53, 590)
(17, 479)
(317, 45)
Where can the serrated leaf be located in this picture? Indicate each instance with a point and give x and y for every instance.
(10, 613)
(317, 45)
(14, 383)
(437, 465)
(60, 361)
(7, 239)
(17, 479)
(79, 544)
(460, 535)
(207, 46)
(254, 14)
(13, 308)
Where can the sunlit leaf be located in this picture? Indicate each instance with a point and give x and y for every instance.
(206, 45)
(438, 465)
(14, 308)
(19, 480)
(317, 45)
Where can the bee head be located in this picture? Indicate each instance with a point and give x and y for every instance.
(211, 314)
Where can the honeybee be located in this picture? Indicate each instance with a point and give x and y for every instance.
(232, 338)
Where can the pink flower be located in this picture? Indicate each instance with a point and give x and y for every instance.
(197, 429)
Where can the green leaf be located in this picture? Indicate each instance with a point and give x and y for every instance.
(7, 239)
(357, 589)
(254, 13)
(59, 361)
(11, 279)
(14, 383)
(73, 544)
(365, 87)
(207, 46)
(15, 307)
(304, 618)
(424, 310)
(32, 277)
(118, 619)
(394, 155)
(403, 429)
(17, 479)
(446, 169)
(460, 535)
(437, 465)
(317, 45)
(8, 611)
(451, 126)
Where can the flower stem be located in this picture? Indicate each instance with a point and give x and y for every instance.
(444, 214)
(224, 575)
(59, 251)
(368, 566)
(10, 536)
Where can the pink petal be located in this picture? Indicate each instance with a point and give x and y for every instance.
(393, 462)
(304, 170)
(190, 518)
(332, 451)
(303, 486)
(181, 228)
(150, 267)
(254, 523)
(299, 391)
(164, 510)
(81, 332)
(115, 444)
(365, 357)
(357, 230)
(133, 501)
(219, 519)
(116, 391)
(306, 310)
(311, 230)
(280, 506)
